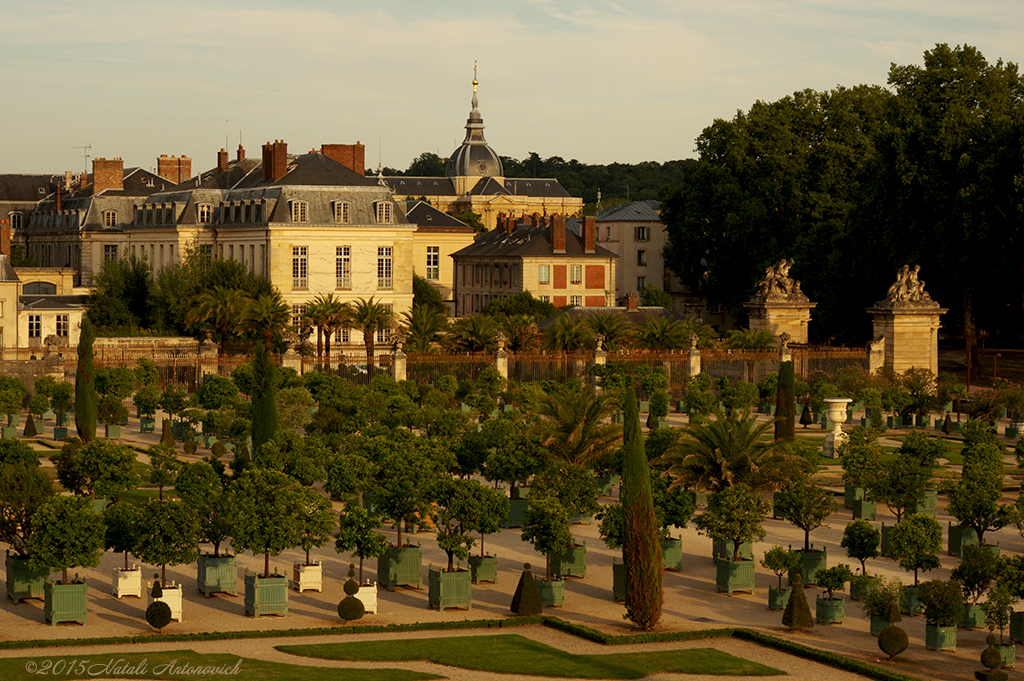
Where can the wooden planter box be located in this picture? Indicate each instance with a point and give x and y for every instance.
(778, 598)
(23, 582)
(830, 611)
(930, 505)
(811, 563)
(127, 582)
(922, 420)
(852, 494)
(401, 566)
(307, 577)
(217, 574)
(734, 575)
(974, 617)
(9, 433)
(266, 596)
(939, 638)
(65, 603)
(552, 594)
(1009, 653)
(959, 537)
(605, 486)
(572, 563)
(865, 509)
(618, 580)
(449, 589)
(64, 419)
(112, 431)
(368, 595)
(483, 568)
(859, 587)
(147, 425)
(13, 419)
(776, 510)
(725, 548)
(583, 519)
(172, 597)
(877, 624)
(909, 604)
(516, 513)
(60, 433)
(672, 554)
(1017, 626)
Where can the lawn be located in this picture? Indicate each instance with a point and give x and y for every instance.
(514, 654)
(187, 666)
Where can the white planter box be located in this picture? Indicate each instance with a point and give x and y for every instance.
(307, 577)
(127, 582)
(368, 595)
(172, 597)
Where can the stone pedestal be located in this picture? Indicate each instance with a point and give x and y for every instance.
(906, 326)
(291, 360)
(398, 366)
(779, 306)
(837, 415)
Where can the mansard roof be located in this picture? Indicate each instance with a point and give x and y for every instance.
(426, 217)
(535, 186)
(420, 186)
(635, 211)
(528, 241)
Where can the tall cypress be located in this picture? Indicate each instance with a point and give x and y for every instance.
(641, 550)
(264, 405)
(85, 384)
(785, 403)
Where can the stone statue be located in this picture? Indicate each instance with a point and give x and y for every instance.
(599, 340)
(694, 339)
(500, 339)
(784, 339)
(908, 288)
(777, 284)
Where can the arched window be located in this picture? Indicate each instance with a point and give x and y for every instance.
(40, 288)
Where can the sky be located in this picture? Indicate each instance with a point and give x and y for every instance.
(591, 80)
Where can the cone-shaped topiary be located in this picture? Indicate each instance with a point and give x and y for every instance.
(805, 416)
(157, 590)
(158, 614)
(526, 600)
(167, 436)
(30, 427)
(85, 384)
(893, 640)
(947, 425)
(351, 608)
(785, 406)
(797, 614)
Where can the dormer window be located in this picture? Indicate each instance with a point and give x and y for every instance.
(298, 210)
(110, 218)
(382, 209)
(16, 220)
(341, 211)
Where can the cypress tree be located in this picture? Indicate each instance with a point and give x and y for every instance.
(641, 550)
(785, 404)
(264, 406)
(85, 384)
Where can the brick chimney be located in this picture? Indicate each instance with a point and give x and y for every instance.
(58, 198)
(107, 174)
(83, 180)
(240, 154)
(557, 231)
(174, 169)
(589, 233)
(632, 302)
(184, 168)
(352, 156)
(275, 160)
(222, 160)
(535, 220)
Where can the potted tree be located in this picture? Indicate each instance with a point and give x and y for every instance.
(147, 399)
(861, 457)
(203, 490)
(172, 401)
(316, 525)
(169, 535)
(122, 536)
(10, 403)
(807, 505)
(515, 460)
(492, 509)
(975, 498)
(781, 561)
(734, 514)
(357, 533)
(915, 543)
(111, 412)
(882, 603)
(997, 608)
(44, 386)
(576, 491)
(943, 603)
(860, 539)
(830, 607)
(101, 469)
(61, 398)
(23, 489)
(547, 528)
(975, 573)
(67, 534)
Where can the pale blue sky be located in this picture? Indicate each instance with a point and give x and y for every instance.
(595, 80)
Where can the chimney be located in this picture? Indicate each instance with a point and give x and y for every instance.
(184, 168)
(557, 233)
(57, 199)
(275, 160)
(5, 237)
(534, 220)
(83, 180)
(222, 161)
(352, 156)
(240, 155)
(632, 302)
(107, 174)
(589, 233)
(173, 169)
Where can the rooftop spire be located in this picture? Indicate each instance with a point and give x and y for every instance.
(474, 157)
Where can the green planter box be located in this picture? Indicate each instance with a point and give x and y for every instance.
(572, 563)
(112, 431)
(930, 505)
(23, 582)
(449, 589)
(959, 537)
(865, 509)
(209, 439)
(811, 563)
(147, 425)
(9, 433)
(672, 554)
(993, 549)
(552, 594)
(859, 587)
(974, 617)
(852, 494)
(645, 406)
(605, 485)
(583, 519)
(922, 420)
(401, 567)
(776, 511)
(217, 574)
(778, 598)
(700, 499)
(725, 548)
(1009, 653)
(618, 580)
(60, 433)
(178, 430)
(64, 419)
(1012, 432)
(910, 604)
(1017, 626)
(516, 513)
(266, 595)
(877, 624)
(939, 638)
(733, 576)
(65, 603)
(830, 611)
(13, 419)
(47, 415)
(483, 568)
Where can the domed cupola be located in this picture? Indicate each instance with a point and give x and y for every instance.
(474, 158)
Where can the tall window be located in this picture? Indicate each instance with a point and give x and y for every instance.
(383, 211)
(341, 211)
(544, 299)
(63, 324)
(205, 213)
(342, 336)
(35, 326)
(384, 333)
(343, 266)
(576, 300)
(110, 218)
(384, 265)
(543, 274)
(575, 274)
(300, 264)
(298, 316)
(641, 283)
(641, 257)
(298, 210)
(433, 262)
(206, 252)
(642, 233)
(110, 252)
(15, 220)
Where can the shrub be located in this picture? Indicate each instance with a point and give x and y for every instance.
(797, 614)
(883, 599)
(893, 640)
(526, 600)
(158, 614)
(781, 561)
(943, 602)
(834, 579)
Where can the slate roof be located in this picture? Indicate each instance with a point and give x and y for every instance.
(26, 187)
(527, 241)
(535, 186)
(420, 186)
(7, 272)
(426, 217)
(636, 211)
(214, 179)
(313, 169)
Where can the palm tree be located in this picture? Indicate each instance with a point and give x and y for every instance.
(369, 316)
(612, 326)
(267, 315)
(706, 336)
(423, 327)
(724, 450)
(751, 339)
(573, 425)
(520, 330)
(316, 314)
(222, 307)
(474, 333)
(333, 314)
(569, 333)
(662, 333)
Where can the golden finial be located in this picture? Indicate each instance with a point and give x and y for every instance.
(475, 81)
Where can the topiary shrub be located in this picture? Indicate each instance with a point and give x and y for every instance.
(351, 608)
(190, 446)
(157, 591)
(993, 661)
(218, 450)
(158, 614)
(30, 427)
(797, 614)
(893, 640)
(526, 600)
(167, 436)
